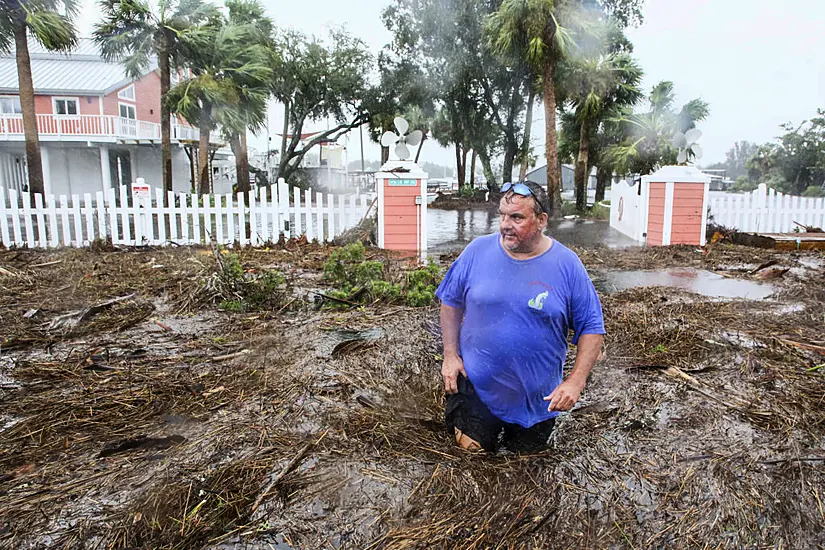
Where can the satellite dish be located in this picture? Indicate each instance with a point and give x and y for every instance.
(687, 146)
(401, 139)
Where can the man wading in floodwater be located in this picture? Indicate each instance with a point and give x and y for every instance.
(507, 304)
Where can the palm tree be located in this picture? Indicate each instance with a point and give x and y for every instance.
(55, 31)
(223, 58)
(133, 32)
(594, 86)
(648, 136)
(535, 31)
(253, 92)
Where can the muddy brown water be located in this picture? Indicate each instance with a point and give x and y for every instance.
(697, 281)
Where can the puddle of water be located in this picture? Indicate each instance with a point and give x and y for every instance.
(693, 280)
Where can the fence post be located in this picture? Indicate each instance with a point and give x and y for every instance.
(4, 226)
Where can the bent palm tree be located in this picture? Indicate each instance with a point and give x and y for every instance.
(55, 31)
(647, 144)
(595, 85)
(223, 58)
(132, 32)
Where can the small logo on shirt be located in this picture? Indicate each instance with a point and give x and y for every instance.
(538, 301)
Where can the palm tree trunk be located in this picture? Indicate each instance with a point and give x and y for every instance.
(551, 146)
(473, 171)
(24, 75)
(525, 144)
(581, 175)
(165, 116)
(239, 149)
(203, 153)
(603, 176)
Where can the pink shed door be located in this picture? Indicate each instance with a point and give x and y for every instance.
(688, 201)
(656, 213)
(401, 216)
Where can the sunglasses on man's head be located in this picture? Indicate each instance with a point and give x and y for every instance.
(521, 189)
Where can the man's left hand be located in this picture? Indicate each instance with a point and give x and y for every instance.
(564, 396)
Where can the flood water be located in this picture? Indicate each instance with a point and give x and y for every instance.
(449, 230)
(693, 280)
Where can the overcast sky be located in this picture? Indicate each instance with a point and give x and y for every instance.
(758, 63)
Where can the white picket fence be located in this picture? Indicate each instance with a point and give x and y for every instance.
(187, 219)
(766, 211)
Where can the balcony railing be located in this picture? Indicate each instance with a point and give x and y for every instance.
(92, 126)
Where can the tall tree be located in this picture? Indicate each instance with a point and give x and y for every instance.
(253, 92)
(133, 31)
(647, 142)
(594, 85)
(43, 20)
(320, 82)
(795, 163)
(229, 65)
(484, 95)
(540, 33)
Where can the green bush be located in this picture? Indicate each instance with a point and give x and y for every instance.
(814, 191)
(240, 291)
(357, 279)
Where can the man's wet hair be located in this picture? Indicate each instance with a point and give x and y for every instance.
(541, 205)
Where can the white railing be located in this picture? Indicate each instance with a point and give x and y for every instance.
(81, 126)
(766, 211)
(184, 133)
(185, 219)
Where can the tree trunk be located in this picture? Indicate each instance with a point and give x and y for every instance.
(239, 149)
(473, 171)
(525, 144)
(550, 147)
(24, 75)
(581, 175)
(489, 175)
(190, 152)
(385, 155)
(459, 167)
(283, 136)
(603, 177)
(203, 153)
(464, 153)
(420, 145)
(165, 116)
(509, 160)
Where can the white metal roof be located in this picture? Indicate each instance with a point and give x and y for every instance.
(82, 72)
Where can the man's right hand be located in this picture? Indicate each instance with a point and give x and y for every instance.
(453, 366)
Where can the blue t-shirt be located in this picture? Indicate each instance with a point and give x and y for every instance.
(517, 314)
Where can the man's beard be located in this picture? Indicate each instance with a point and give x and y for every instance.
(520, 245)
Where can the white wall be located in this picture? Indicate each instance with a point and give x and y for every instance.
(74, 170)
(149, 168)
(626, 203)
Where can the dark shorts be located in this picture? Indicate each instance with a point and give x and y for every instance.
(466, 412)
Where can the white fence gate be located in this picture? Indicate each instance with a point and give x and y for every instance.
(188, 219)
(766, 211)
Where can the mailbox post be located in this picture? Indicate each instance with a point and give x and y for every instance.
(402, 207)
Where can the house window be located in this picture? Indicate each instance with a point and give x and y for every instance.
(66, 106)
(10, 105)
(127, 93)
(127, 111)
